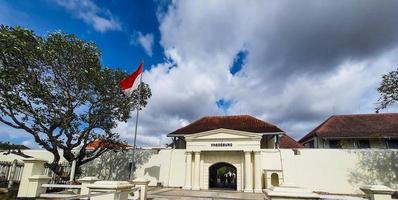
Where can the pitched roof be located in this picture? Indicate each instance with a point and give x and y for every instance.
(357, 126)
(286, 142)
(106, 144)
(236, 122)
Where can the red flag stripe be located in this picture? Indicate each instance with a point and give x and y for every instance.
(128, 82)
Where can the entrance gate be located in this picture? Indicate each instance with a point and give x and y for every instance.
(222, 176)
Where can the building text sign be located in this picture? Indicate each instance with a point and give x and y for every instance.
(221, 145)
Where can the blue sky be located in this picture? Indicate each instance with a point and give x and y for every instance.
(118, 46)
(290, 63)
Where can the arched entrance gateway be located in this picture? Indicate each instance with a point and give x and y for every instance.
(222, 176)
(225, 152)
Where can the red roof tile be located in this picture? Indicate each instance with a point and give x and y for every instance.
(357, 126)
(286, 142)
(237, 122)
(105, 144)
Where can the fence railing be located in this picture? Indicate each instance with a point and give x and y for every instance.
(8, 172)
(135, 192)
(35, 184)
(58, 179)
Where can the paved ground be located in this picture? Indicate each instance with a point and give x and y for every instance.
(155, 193)
(179, 194)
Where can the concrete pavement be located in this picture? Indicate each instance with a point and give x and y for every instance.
(179, 194)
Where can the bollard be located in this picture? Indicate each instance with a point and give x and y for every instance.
(378, 192)
(143, 184)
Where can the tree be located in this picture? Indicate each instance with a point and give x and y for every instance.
(388, 90)
(7, 148)
(55, 89)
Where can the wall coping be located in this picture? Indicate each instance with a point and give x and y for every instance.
(291, 191)
(377, 189)
(89, 178)
(110, 185)
(141, 181)
(32, 160)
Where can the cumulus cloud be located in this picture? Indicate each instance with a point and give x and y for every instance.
(304, 61)
(31, 144)
(145, 40)
(100, 19)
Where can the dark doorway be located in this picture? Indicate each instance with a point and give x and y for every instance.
(223, 176)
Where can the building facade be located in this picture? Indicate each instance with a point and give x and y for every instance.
(225, 151)
(243, 153)
(358, 131)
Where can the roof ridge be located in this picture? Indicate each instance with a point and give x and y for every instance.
(234, 122)
(363, 114)
(213, 116)
(244, 115)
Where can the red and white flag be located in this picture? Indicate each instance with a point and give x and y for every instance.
(131, 82)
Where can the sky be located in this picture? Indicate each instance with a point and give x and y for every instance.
(291, 63)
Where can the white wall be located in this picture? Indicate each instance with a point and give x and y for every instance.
(326, 170)
(167, 168)
(335, 170)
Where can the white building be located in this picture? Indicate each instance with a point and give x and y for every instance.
(227, 142)
(259, 155)
(247, 154)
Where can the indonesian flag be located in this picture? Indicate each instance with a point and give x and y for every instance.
(131, 82)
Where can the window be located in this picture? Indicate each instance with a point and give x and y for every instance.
(392, 143)
(363, 144)
(310, 144)
(335, 144)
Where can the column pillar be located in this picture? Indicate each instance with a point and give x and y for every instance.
(201, 173)
(257, 172)
(32, 179)
(248, 172)
(188, 171)
(196, 174)
(85, 182)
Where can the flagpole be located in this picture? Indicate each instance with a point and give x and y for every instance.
(132, 170)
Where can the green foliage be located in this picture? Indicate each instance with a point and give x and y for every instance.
(388, 90)
(56, 89)
(9, 146)
(225, 169)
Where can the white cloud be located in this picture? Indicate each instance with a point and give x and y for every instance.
(31, 144)
(145, 40)
(303, 63)
(100, 19)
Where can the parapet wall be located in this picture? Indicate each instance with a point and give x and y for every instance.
(327, 170)
(166, 168)
(335, 170)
